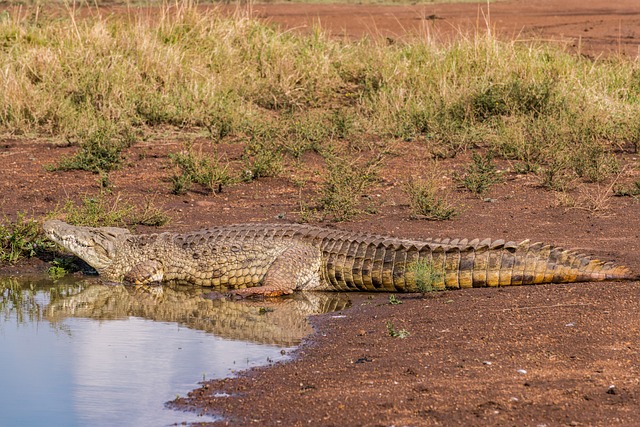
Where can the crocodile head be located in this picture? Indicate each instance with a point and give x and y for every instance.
(95, 245)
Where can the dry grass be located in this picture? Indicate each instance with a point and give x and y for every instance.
(281, 93)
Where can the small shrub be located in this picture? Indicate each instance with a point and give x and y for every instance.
(632, 190)
(425, 201)
(391, 329)
(594, 163)
(22, 238)
(481, 175)
(306, 133)
(344, 186)
(110, 211)
(100, 151)
(262, 161)
(556, 173)
(426, 276)
(393, 300)
(149, 215)
(194, 167)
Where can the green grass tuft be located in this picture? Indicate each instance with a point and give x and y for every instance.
(481, 175)
(426, 276)
(192, 167)
(395, 333)
(426, 202)
(105, 210)
(21, 238)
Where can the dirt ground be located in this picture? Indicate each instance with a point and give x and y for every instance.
(522, 356)
(590, 27)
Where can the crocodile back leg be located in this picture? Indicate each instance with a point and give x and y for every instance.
(297, 267)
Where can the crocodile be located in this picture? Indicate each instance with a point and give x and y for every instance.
(276, 259)
(278, 321)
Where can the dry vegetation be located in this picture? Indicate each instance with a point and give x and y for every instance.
(103, 83)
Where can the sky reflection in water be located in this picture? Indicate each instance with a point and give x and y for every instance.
(78, 354)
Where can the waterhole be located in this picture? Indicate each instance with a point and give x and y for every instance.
(81, 353)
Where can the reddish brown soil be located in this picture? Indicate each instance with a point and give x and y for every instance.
(592, 27)
(460, 364)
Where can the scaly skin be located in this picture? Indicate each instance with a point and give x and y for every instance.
(276, 259)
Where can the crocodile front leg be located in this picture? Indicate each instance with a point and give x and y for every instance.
(146, 272)
(297, 267)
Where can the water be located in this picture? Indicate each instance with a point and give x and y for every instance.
(85, 354)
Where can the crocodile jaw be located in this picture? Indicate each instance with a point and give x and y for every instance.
(96, 246)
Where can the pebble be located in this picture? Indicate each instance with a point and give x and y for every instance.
(521, 371)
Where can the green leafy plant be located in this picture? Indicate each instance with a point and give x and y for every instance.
(100, 150)
(481, 175)
(60, 267)
(195, 167)
(21, 238)
(393, 300)
(393, 332)
(344, 186)
(425, 201)
(105, 210)
(426, 275)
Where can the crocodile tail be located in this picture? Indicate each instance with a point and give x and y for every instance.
(499, 263)
(527, 263)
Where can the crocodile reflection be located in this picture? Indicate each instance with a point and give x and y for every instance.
(282, 322)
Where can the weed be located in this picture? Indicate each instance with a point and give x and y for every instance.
(108, 211)
(342, 123)
(481, 175)
(60, 267)
(593, 162)
(425, 201)
(632, 190)
(100, 152)
(425, 275)
(345, 185)
(97, 211)
(391, 329)
(21, 238)
(306, 133)
(556, 174)
(591, 199)
(55, 272)
(195, 167)
(393, 300)
(262, 161)
(150, 215)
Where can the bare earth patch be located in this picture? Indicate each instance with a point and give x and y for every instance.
(526, 356)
